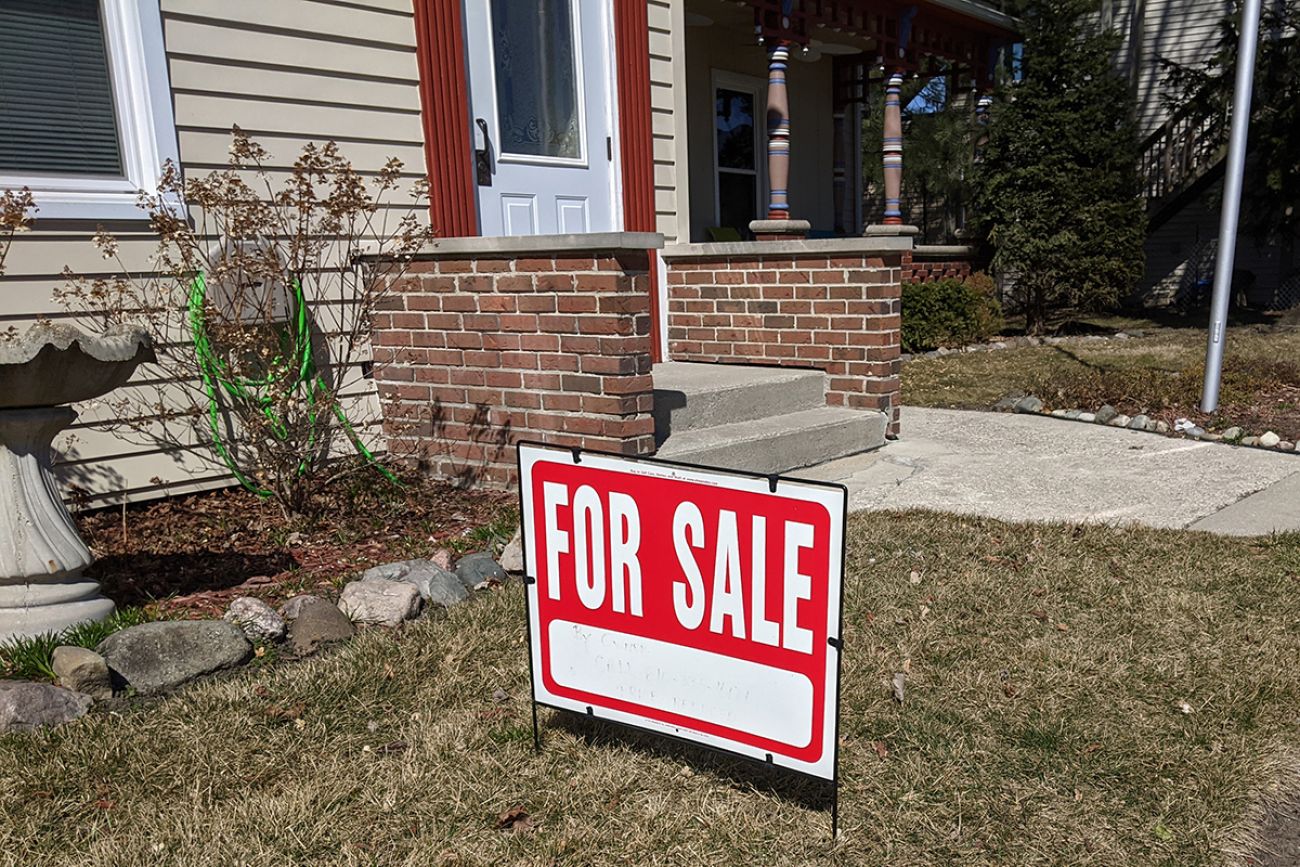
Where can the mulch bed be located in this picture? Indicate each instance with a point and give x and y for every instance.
(189, 556)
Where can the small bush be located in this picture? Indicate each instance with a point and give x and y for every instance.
(32, 658)
(950, 313)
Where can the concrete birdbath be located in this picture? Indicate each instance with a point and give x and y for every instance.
(42, 556)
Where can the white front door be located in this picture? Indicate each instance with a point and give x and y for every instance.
(541, 96)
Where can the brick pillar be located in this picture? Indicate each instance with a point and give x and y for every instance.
(487, 342)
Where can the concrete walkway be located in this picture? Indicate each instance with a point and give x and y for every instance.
(1030, 468)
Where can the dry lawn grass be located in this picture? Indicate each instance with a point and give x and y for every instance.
(1077, 696)
(1160, 375)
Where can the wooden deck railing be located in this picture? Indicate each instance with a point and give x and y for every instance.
(1180, 153)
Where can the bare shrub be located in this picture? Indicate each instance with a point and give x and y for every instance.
(260, 297)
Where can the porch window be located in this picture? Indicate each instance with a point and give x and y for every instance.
(736, 157)
(85, 113)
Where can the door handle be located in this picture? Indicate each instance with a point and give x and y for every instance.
(482, 154)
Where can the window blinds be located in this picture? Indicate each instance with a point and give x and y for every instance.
(56, 97)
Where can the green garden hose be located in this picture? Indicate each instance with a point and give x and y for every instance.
(217, 378)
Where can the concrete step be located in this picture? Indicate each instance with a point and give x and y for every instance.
(779, 443)
(691, 397)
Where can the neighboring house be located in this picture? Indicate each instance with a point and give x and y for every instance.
(1183, 158)
(703, 152)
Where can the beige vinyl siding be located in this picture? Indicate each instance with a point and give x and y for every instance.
(668, 109)
(1179, 31)
(288, 72)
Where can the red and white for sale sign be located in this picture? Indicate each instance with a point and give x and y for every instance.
(694, 602)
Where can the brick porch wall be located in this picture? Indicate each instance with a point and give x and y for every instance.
(829, 305)
(932, 270)
(491, 341)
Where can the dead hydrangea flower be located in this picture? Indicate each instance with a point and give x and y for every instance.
(313, 252)
(16, 209)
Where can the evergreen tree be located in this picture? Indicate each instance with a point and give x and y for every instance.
(1056, 193)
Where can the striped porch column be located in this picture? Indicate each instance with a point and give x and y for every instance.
(893, 150)
(778, 132)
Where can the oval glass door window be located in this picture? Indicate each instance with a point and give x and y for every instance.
(539, 100)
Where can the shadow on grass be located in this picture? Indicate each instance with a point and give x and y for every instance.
(740, 773)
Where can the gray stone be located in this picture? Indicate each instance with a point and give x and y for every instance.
(259, 621)
(317, 622)
(1029, 403)
(435, 584)
(1232, 434)
(474, 569)
(1162, 427)
(1105, 414)
(26, 706)
(1008, 403)
(1087, 416)
(1210, 437)
(1138, 422)
(380, 601)
(1195, 432)
(293, 607)
(1073, 414)
(153, 657)
(1057, 413)
(512, 555)
(83, 671)
(1249, 441)
(1269, 439)
(1120, 420)
(1286, 446)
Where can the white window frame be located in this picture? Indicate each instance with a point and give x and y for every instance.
(146, 127)
(725, 80)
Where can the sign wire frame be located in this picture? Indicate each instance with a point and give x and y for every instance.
(836, 642)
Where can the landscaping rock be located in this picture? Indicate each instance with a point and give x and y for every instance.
(1138, 422)
(26, 706)
(1105, 414)
(435, 584)
(1029, 403)
(1232, 434)
(1058, 413)
(1269, 440)
(380, 601)
(1088, 417)
(443, 558)
(293, 607)
(83, 671)
(1009, 402)
(1286, 446)
(1073, 414)
(259, 621)
(1120, 420)
(512, 555)
(475, 569)
(1195, 432)
(153, 657)
(1162, 427)
(317, 622)
(1249, 441)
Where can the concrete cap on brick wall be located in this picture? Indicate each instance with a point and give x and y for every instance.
(542, 245)
(942, 251)
(809, 247)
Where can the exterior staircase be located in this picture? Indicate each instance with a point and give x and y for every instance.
(758, 419)
(1180, 160)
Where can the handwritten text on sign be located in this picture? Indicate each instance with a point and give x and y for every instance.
(687, 601)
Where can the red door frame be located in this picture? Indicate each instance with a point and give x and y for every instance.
(448, 142)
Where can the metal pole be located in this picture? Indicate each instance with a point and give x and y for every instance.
(1231, 203)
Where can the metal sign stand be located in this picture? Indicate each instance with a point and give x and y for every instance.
(836, 642)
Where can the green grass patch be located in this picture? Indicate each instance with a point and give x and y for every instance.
(31, 658)
(1076, 696)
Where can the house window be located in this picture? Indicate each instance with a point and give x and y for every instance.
(85, 113)
(737, 153)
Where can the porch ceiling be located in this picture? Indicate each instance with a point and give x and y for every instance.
(904, 35)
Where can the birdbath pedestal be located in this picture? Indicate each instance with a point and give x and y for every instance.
(42, 557)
